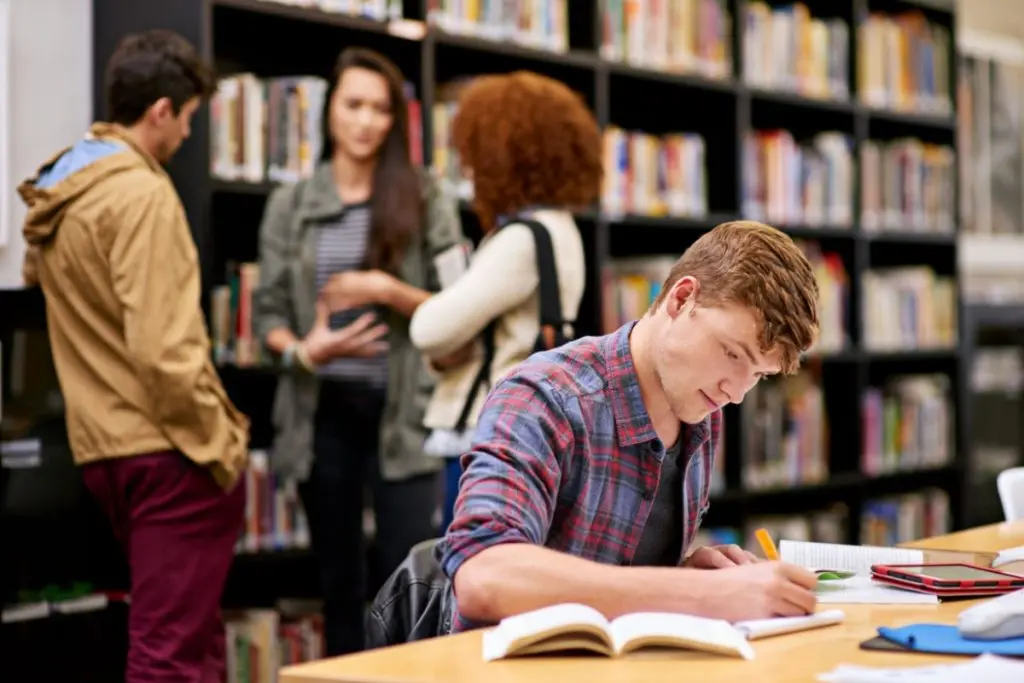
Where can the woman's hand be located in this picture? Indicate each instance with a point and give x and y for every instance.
(359, 339)
(354, 288)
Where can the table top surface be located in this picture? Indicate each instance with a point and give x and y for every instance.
(792, 659)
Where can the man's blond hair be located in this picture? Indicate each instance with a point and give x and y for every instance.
(759, 267)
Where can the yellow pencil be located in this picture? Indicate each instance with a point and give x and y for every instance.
(767, 545)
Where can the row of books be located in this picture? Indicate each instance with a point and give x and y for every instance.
(885, 521)
(654, 175)
(630, 286)
(785, 431)
(907, 185)
(380, 10)
(231, 332)
(790, 182)
(893, 520)
(541, 24)
(991, 171)
(676, 36)
(274, 516)
(446, 158)
(908, 424)
(785, 48)
(271, 129)
(258, 642)
(826, 526)
(266, 129)
(907, 308)
(904, 63)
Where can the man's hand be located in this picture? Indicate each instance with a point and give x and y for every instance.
(719, 557)
(354, 288)
(760, 591)
(359, 339)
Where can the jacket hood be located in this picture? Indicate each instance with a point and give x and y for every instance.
(67, 175)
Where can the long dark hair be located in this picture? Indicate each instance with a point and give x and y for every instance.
(396, 204)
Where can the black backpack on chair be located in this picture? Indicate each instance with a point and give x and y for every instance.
(415, 601)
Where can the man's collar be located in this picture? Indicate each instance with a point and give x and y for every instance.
(632, 421)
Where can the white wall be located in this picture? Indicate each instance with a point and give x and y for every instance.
(50, 96)
(1005, 17)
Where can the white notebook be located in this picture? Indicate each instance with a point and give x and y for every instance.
(1008, 556)
(859, 589)
(569, 627)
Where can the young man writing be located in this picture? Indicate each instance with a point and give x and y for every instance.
(592, 463)
(160, 445)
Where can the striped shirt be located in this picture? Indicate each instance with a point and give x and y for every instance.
(565, 456)
(341, 245)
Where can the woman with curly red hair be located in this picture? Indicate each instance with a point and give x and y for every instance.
(532, 150)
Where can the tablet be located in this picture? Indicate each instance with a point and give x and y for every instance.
(948, 576)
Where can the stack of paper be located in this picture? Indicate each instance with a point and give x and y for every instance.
(1008, 557)
(987, 668)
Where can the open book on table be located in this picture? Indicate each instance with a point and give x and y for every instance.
(573, 627)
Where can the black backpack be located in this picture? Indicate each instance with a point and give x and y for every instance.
(552, 327)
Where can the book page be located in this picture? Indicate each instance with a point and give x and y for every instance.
(654, 629)
(853, 558)
(523, 630)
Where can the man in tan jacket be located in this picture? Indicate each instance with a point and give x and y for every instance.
(160, 444)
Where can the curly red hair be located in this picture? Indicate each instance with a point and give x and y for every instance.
(527, 140)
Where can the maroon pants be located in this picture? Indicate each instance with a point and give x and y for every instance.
(178, 529)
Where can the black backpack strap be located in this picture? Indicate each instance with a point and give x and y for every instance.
(551, 322)
(483, 375)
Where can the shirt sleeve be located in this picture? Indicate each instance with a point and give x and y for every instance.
(509, 486)
(501, 276)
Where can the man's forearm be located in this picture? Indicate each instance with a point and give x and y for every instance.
(513, 578)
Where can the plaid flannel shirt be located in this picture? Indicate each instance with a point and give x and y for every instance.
(565, 456)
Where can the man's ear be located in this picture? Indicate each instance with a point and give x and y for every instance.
(682, 296)
(161, 110)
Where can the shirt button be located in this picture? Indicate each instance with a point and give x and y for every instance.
(648, 494)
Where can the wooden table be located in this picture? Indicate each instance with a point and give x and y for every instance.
(796, 658)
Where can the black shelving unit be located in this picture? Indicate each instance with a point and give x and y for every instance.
(271, 39)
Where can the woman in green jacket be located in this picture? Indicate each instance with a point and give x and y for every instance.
(349, 405)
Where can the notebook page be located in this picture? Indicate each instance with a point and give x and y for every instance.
(853, 558)
(864, 591)
(450, 264)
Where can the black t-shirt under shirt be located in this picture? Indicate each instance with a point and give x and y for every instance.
(662, 538)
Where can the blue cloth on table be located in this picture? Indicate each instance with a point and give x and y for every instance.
(946, 639)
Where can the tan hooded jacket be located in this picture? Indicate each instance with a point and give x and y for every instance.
(109, 244)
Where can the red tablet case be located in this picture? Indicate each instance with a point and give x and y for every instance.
(1000, 582)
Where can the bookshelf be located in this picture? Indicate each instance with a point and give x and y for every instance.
(839, 144)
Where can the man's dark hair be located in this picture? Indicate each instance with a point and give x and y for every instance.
(151, 65)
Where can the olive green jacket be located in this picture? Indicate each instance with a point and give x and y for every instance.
(286, 296)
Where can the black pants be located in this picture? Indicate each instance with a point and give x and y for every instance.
(345, 446)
